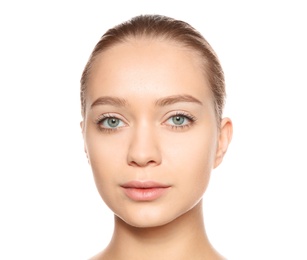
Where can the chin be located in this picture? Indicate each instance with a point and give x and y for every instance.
(145, 223)
(146, 219)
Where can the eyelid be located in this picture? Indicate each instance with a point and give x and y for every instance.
(106, 116)
(179, 113)
(110, 115)
(192, 119)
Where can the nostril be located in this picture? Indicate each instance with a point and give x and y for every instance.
(142, 163)
(133, 164)
(151, 162)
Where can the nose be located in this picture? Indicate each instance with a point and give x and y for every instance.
(144, 148)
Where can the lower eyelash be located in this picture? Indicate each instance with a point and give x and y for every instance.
(181, 127)
(107, 130)
(100, 119)
(191, 118)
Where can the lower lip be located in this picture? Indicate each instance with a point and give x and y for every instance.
(147, 194)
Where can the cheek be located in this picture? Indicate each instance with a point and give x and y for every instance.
(106, 156)
(102, 148)
(192, 156)
(191, 150)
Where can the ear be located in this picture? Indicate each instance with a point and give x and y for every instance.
(225, 136)
(82, 130)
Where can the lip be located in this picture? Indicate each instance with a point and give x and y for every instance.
(144, 190)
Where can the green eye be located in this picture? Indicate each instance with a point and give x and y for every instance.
(178, 120)
(112, 122)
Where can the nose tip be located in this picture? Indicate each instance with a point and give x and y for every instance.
(144, 150)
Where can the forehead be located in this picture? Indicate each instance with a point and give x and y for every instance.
(148, 67)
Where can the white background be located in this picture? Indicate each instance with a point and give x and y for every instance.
(255, 206)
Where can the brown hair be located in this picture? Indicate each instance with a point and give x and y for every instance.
(158, 26)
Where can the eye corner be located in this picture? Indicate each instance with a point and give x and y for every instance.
(184, 120)
(109, 122)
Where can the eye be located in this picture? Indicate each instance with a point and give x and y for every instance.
(180, 120)
(109, 123)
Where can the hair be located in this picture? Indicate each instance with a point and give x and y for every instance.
(165, 28)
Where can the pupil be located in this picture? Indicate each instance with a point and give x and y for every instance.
(113, 122)
(178, 120)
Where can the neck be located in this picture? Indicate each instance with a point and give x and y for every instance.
(183, 238)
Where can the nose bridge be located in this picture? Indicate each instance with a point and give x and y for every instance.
(144, 146)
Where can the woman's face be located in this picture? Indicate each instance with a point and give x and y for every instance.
(150, 131)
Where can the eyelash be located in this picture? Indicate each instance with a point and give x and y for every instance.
(104, 117)
(187, 116)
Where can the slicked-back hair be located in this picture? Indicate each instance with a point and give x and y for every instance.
(163, 28)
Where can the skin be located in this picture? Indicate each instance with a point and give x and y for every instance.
(155, 81)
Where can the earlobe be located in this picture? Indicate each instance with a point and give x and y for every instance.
(225, 137)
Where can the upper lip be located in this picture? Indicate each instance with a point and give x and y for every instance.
(144, 185)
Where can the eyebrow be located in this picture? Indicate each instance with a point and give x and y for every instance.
(107, 100)
(120, 102)
(176, 99)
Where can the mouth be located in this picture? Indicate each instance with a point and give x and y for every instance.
(144, 190)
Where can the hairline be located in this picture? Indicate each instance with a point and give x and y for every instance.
(166, 28)
(196, 55)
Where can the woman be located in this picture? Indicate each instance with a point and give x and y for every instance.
(152, 98)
